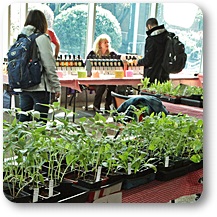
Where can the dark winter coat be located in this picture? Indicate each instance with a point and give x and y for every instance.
(153, 103)
(153, 54)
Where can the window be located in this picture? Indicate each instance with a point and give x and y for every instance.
(13, 24)
(186, 21)
(78, 24)
(129, 19)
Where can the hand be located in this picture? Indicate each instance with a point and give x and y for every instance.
(57, 95)
(135, 62)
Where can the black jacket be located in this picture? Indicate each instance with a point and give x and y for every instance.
(153, 54)
(92, 55)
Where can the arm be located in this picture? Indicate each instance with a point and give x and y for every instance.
(149, 54)
(48, 62)
(54, 39)
(90, 54)
(57, 49)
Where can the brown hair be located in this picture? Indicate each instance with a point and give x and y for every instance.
(37, 19)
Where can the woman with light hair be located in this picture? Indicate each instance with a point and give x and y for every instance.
(101, 49)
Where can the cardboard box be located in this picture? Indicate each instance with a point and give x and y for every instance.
(112, 198)
(104, 191)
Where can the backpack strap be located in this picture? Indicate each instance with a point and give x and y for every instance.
(34, 47)
(170, 35)
(34, 53)
(21, 36)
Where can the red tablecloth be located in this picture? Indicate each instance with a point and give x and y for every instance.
(164, 191)
(74, 82)
(184, 109)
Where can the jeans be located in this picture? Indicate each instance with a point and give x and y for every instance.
(29, 101)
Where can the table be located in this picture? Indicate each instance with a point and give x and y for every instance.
(74, 82)
(184, 109)
(165, 191)
(181, 78)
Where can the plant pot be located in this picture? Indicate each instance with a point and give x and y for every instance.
(161, 167)
(191, 102)
(114, 177)
(71, 193)
(180, 162)
(195, 166)
(143, 173)
(45, 198)
(163, 174)
(177, 163)
(150, 93)
(129, 183)
(22, 197)
(139, 178)
(89, 181)
(171, 99)
(72, 176)
(186, 161)
(195, 97)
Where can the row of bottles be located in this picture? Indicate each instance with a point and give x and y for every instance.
(106, 65)
(69, 61)
(69, 64)
(131, 63)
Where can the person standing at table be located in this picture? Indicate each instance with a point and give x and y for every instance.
(33, 97)
(154, 52)
(101, 49)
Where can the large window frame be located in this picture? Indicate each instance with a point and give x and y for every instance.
(7, 40)
(189, 31)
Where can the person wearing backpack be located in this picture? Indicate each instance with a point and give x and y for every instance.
(33, 97)
(154, 52)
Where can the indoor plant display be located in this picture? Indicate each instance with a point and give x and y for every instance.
(86, 148)
(167, 91)
(178, 137)
(23, 168)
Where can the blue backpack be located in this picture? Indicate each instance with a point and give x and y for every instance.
(24, 67)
